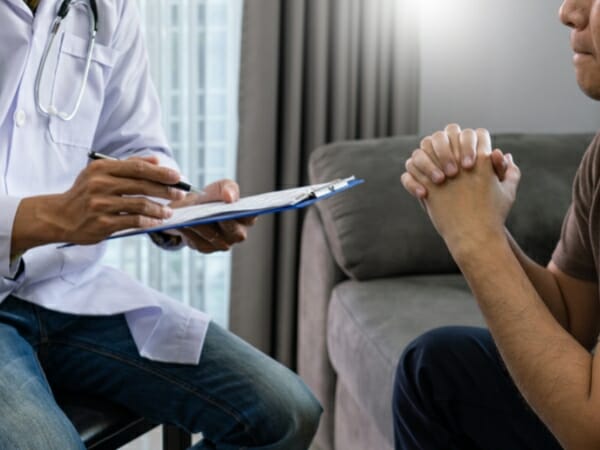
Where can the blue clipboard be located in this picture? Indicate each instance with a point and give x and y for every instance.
(323, 192)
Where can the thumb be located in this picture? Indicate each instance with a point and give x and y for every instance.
(512, 175)
(499, 163)
(226, 191)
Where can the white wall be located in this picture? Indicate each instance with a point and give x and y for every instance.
(500, 64)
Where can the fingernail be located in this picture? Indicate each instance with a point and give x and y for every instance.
(451, 169)
(467, 161)
(167, 212)
(437, 176)
(420, 192)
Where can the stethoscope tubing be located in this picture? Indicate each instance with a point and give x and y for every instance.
(63, 11)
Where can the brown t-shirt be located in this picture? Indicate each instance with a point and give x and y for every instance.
(579, 247)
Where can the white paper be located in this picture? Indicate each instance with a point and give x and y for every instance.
(269, 200)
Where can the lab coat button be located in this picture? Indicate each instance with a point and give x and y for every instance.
(20, 118)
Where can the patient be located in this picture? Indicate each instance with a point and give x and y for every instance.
(531, 380)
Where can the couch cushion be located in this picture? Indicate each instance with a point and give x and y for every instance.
(371, 322)
(378, 230)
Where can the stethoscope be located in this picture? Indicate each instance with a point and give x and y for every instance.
(65, 6)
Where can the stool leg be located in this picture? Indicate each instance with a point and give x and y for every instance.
(175, 438)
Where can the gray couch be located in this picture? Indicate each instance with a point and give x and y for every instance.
(374, 274)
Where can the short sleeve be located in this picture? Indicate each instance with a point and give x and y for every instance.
(574, 253)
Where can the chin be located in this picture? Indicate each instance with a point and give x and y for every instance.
(591, 91)
(590, 86)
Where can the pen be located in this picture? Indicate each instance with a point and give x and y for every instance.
(179, 185)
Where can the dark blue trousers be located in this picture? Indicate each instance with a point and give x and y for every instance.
(452, 391)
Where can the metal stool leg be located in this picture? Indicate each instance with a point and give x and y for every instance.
(175, 438)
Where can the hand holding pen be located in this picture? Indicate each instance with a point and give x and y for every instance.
(182, 185)
(206, 238)
(107, 196)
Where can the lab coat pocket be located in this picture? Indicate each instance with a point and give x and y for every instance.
(69, 74)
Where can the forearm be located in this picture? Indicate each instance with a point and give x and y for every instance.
(544, 283)
(552, 370)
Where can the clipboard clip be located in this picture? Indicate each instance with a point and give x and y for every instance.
(328, 189)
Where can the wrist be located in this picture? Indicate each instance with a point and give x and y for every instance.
(36, 223)
(465, 246)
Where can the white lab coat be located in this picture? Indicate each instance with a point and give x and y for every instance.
(119, 116)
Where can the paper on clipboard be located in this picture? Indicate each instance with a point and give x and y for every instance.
(270, 202)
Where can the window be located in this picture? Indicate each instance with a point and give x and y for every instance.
(194, 48)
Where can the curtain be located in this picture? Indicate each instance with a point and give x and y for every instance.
(312, 72)
(193, 48)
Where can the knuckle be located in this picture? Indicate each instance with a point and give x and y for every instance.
(227, 182)
(96, 184)
(106, 223)
(146, 207)
(420, 159)
(96, 204)
(138, 167)
(138, 221)
(99, 165)
(426, 141)
(439, 135)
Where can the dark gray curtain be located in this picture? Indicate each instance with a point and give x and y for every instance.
(312, 72)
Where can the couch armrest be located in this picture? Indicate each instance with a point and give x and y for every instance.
(318, 275)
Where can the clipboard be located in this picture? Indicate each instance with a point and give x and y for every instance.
(270, 203)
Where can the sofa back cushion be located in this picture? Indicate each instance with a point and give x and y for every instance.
(377, 229)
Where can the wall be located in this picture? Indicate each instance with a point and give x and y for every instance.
(504, 65)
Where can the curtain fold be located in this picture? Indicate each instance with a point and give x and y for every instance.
(312, 72)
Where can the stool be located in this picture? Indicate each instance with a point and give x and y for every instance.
(105, 426)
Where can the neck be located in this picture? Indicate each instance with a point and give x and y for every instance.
(33, 4)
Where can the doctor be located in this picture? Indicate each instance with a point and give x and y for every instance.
(65, 320)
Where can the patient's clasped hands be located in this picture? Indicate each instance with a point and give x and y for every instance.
(467, 188)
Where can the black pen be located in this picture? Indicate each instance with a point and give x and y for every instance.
(179, 185)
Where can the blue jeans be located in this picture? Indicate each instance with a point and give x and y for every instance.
(237, 397)
(452, 391)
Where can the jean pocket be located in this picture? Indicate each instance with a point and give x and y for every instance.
(69, 73)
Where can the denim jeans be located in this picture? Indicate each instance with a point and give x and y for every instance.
(236, 396)
(452, 391)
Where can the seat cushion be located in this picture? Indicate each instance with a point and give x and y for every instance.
(371, 322)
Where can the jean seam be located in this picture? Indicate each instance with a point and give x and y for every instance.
(42, 347)
(185, 386)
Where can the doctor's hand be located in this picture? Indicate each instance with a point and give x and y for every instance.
(209, 238)
(109, 196)
(442, 156)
